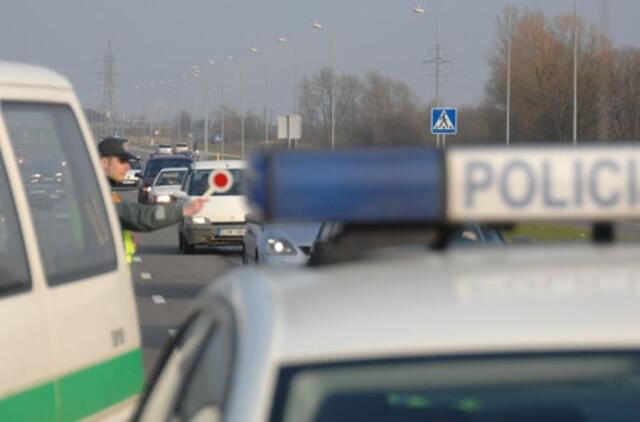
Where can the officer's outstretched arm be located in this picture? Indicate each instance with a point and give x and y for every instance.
(145, 218)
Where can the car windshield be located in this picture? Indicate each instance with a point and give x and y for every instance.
(170, 178)
(199, 183)
(154, 166)
(557, 388)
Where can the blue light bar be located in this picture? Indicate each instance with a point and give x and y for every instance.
(358, 186)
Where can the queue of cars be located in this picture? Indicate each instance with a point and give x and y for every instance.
(153, 166)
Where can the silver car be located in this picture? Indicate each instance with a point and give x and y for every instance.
(278, 243)
(166, 184)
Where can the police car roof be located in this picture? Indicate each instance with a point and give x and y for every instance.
(463, 301)
(18, 74)
(219, 164)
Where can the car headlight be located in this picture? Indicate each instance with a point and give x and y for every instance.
(277, 246)
(163, 199)
(146, 188)
(198, 220)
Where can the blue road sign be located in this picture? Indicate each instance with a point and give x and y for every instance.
(218, 138)
(444, 121)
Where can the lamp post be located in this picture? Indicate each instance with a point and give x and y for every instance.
(254, 50)
(284, 40)
(437, 61)
(205, 81)
(575, 74)
(242, 107)
(508, 123)
(319, 26)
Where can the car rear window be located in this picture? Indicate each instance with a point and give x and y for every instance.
(199, 183)
(169, 178)
(154, 166)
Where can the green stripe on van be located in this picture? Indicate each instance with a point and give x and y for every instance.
(80, 394)
(35, 404)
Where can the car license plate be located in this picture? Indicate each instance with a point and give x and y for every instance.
(231, 232)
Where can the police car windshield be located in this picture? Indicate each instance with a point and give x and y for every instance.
(557, 388)
(199, 183)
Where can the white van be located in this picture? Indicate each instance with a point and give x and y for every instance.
(70, 334)
(222, 220)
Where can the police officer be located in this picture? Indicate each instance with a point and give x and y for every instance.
(114, 159)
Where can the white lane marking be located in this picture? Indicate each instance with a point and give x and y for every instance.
(173, 332)
(137, 259)
(158, 299)
(145, 276)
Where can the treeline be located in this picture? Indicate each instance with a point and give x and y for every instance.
(542, 60)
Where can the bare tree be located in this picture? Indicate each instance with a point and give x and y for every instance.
(542, 77)
(624, 94)
(390, 113)
(315, 107)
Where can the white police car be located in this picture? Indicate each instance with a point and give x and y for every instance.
(407, 334)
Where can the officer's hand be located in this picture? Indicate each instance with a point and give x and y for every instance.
(193, 207)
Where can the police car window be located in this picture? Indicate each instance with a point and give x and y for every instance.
(207, 385)
(558, 388)
(14, 271)
(199, 183)
(67, 207)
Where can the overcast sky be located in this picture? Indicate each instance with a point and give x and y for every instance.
(156, 40)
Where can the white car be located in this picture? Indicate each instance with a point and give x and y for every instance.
(413, 330)
(163, 149)
(132, 177)
(222, 219)
(166, 184)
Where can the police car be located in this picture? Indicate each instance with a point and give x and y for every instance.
(424, 332)
(70, 334)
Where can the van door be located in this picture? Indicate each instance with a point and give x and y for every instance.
(26, 390)
(90, 305)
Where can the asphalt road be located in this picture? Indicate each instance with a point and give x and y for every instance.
(166, 281)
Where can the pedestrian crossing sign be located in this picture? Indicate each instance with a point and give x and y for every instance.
(444, 121)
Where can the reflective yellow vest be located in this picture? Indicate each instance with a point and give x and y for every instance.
(129, 245)
(127, 236)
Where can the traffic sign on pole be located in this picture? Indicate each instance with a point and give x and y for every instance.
(444, 121)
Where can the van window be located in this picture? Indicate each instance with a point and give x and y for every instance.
(14, 271)
(67, 207)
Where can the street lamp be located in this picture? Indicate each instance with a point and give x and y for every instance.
(205, 81)
(419, 10)
(509, 34)
(283, 40)
(242, 111)
(266, 95)
(575, 73)
(317, 25)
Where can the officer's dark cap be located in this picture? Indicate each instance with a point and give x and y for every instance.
(114, 147)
